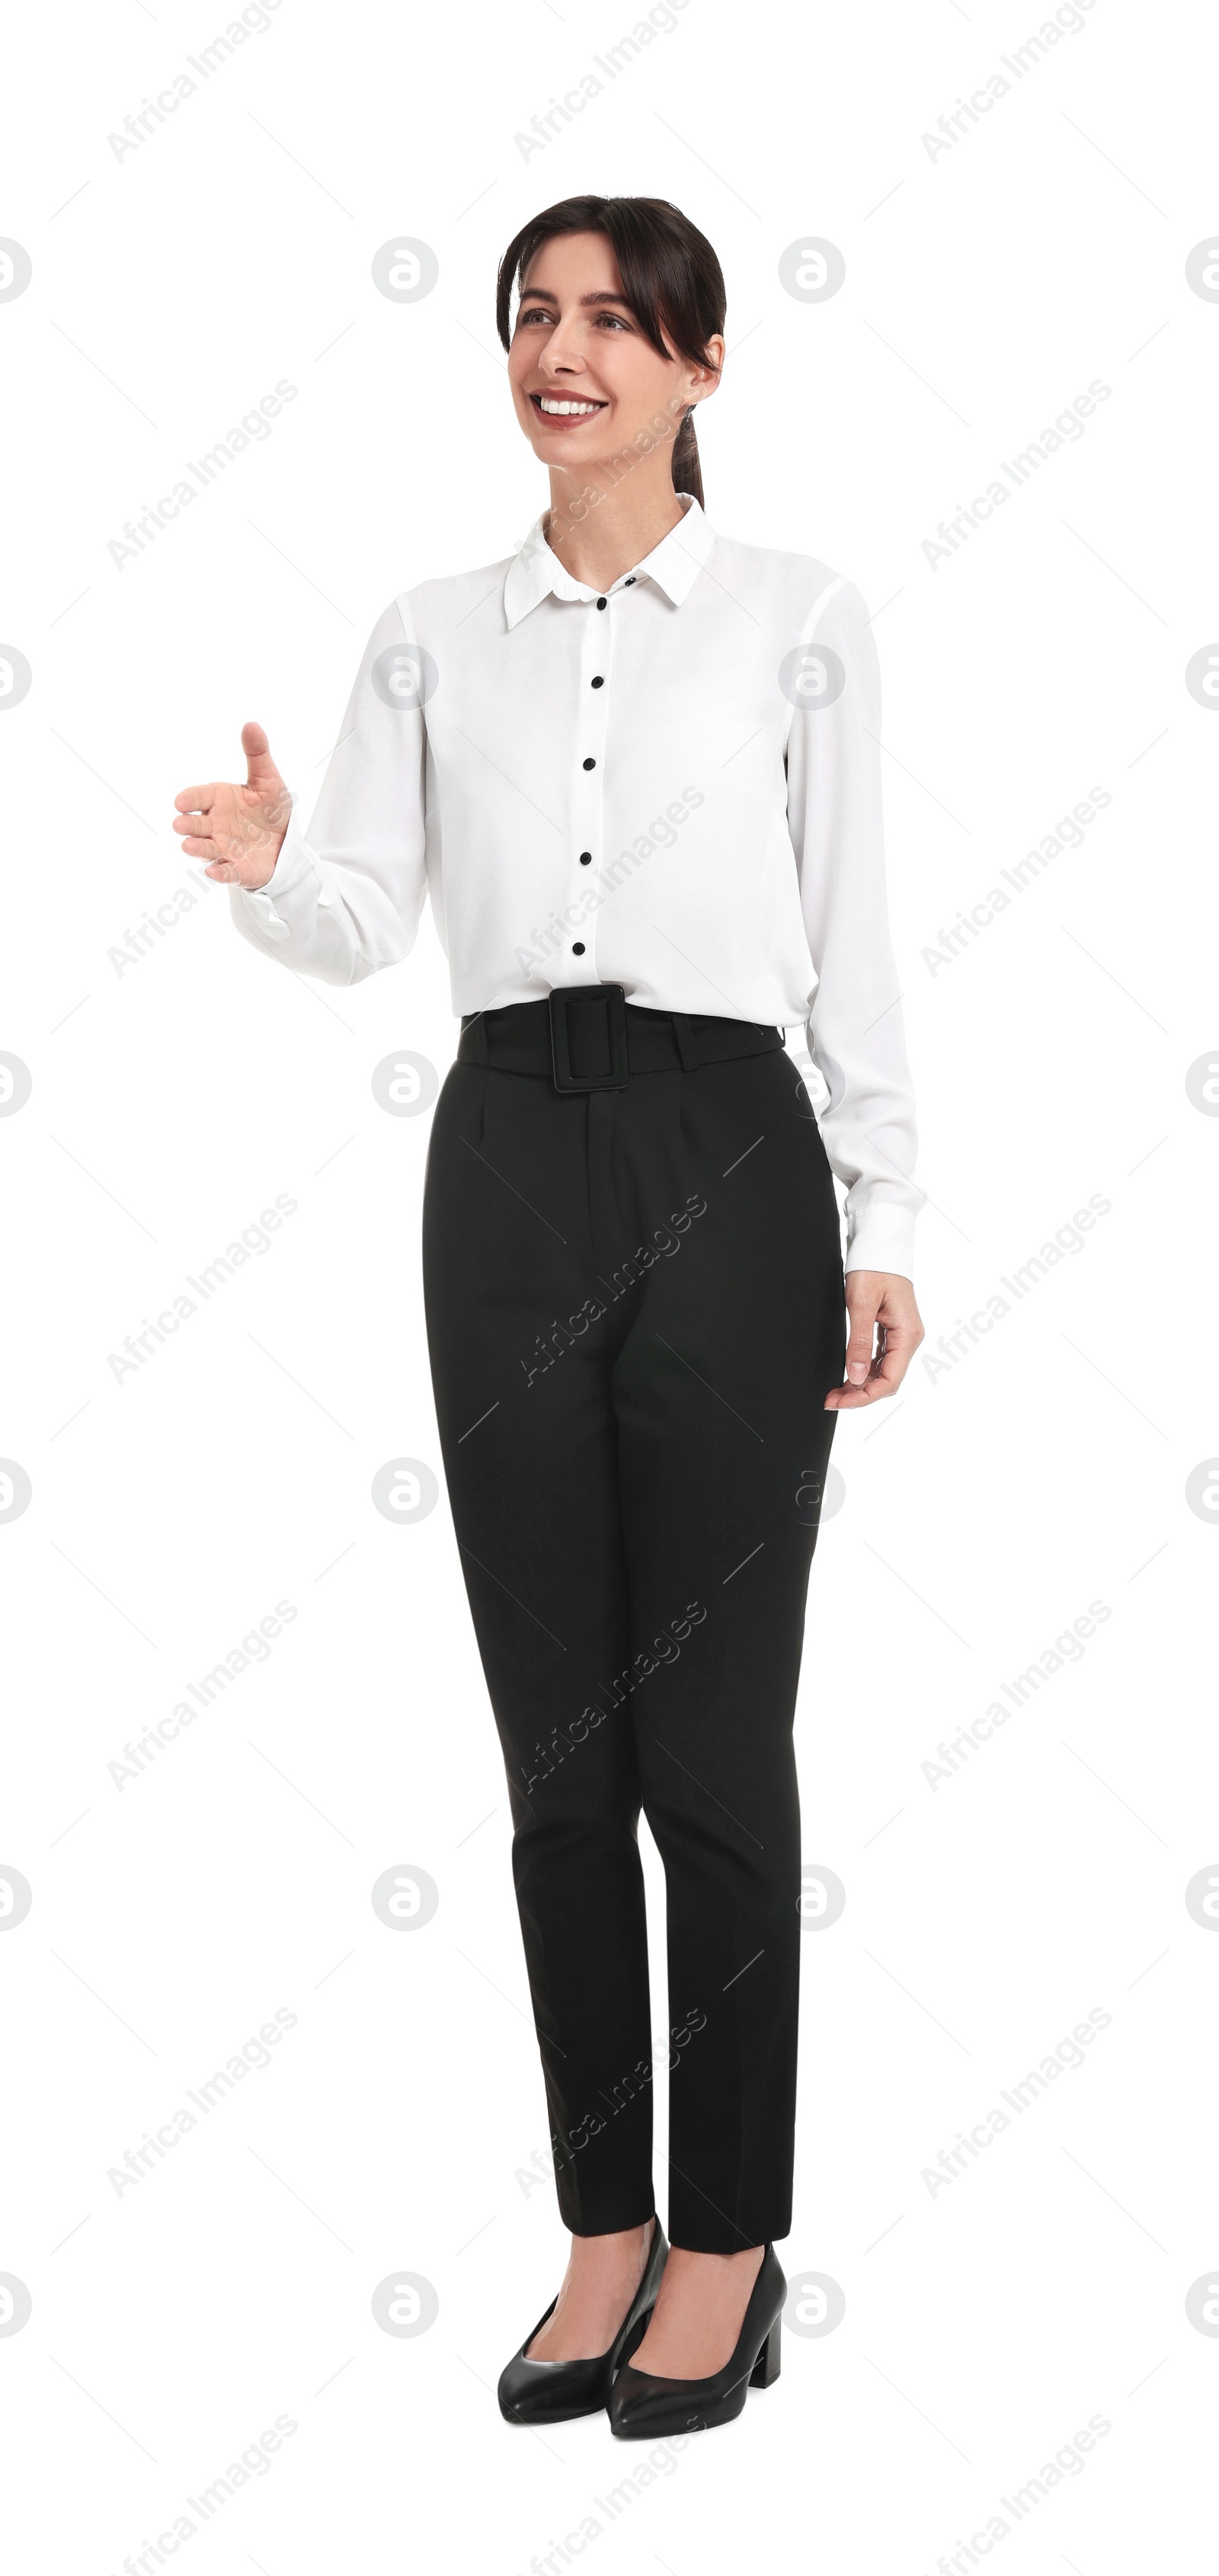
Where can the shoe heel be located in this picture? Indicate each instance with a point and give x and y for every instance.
(766, 2368)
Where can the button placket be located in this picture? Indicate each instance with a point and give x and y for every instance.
(596, 656)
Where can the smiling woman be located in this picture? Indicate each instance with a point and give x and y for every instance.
(518, 743)
(640, 344)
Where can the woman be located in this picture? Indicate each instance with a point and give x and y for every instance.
(636, 768)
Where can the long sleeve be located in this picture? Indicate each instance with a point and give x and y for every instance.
(855, 1032)
(346, 897)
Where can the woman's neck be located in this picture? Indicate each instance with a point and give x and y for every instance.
(619, 526)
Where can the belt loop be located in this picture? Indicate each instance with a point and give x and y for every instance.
(472, 1044)
(682, 1031)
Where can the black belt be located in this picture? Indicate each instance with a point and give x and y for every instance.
(587, 1037)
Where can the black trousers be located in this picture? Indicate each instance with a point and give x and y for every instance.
(635, 1310)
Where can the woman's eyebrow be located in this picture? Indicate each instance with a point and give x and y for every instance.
(599, 295)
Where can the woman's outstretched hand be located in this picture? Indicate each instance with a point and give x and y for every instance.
(883, 1298)
(238, 831)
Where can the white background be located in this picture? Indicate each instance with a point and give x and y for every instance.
(985, 1916)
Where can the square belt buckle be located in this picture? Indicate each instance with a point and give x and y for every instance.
(589, 1020)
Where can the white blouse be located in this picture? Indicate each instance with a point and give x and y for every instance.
(676, 791)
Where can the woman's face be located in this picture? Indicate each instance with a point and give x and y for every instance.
(585, 382)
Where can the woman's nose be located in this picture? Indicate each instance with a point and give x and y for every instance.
(561, 353)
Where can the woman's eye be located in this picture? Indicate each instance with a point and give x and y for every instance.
(539, 313)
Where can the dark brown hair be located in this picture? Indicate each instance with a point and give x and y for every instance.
(671, 279)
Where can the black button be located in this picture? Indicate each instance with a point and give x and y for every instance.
(601, 603)
(586, 858)
(577, 948)
(629, 579)
(590, 764)
(596, 684)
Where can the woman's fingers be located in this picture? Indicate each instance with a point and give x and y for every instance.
(236, 831)
(859, 1346)
(217, 841)
(880, 1301)
(845, 1399)
(893, 1357)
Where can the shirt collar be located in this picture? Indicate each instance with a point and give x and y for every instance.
(674, 565)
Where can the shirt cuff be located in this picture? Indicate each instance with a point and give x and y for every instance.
(294, 867)
(882, 1238)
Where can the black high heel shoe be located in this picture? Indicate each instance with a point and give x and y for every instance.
(640, 2406)
(548, 2392)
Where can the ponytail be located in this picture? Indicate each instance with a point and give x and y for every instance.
(687, 471)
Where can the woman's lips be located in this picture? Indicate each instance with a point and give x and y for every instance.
(565, 411)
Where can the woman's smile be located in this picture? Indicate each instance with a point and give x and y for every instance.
(567, 407)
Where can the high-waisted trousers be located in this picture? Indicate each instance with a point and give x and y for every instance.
(635, 1309)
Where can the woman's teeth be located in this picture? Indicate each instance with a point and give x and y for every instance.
(569, 410)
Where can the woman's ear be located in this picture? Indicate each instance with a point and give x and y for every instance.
(704, 380)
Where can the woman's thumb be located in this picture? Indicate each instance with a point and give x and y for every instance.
(259, 765)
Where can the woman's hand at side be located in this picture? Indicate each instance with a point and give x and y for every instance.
(238, 831)
(884, 1299)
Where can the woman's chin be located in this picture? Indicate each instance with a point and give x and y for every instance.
(585, 464)
(557, 442)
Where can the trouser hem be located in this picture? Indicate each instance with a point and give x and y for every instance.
(609, 2216)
